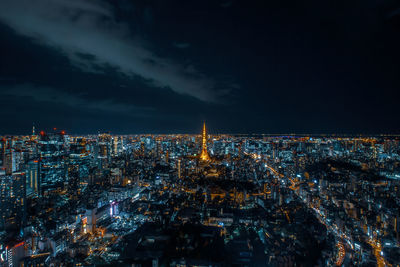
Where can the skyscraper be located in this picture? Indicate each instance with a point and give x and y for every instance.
(12, 200)
(204, 153)
(52, 162)
(9, 161)
(104, 147)
(32, 178)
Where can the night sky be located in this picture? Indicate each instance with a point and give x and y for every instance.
(164, 66)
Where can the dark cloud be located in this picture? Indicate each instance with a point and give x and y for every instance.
(181, 45)
(88, 27)
(73, 101)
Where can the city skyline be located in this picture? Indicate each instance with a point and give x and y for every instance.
(189, 133)
(200, 199)
(197, 132)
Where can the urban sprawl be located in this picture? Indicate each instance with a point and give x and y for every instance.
(199, 200)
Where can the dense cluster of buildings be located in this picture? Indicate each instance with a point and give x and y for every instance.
(199, 200)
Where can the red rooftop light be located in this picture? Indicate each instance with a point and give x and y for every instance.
(19, 244)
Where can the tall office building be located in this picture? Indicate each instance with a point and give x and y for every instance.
(12, 200)
(52, 163)
(32, 178)
(104, 149)
(77, 164)
(13, 161)
(116, 145)
(9, 161)
(15, 252)
(3, 146)
(79, 157)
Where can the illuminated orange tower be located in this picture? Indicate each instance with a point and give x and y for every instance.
(204, 153)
